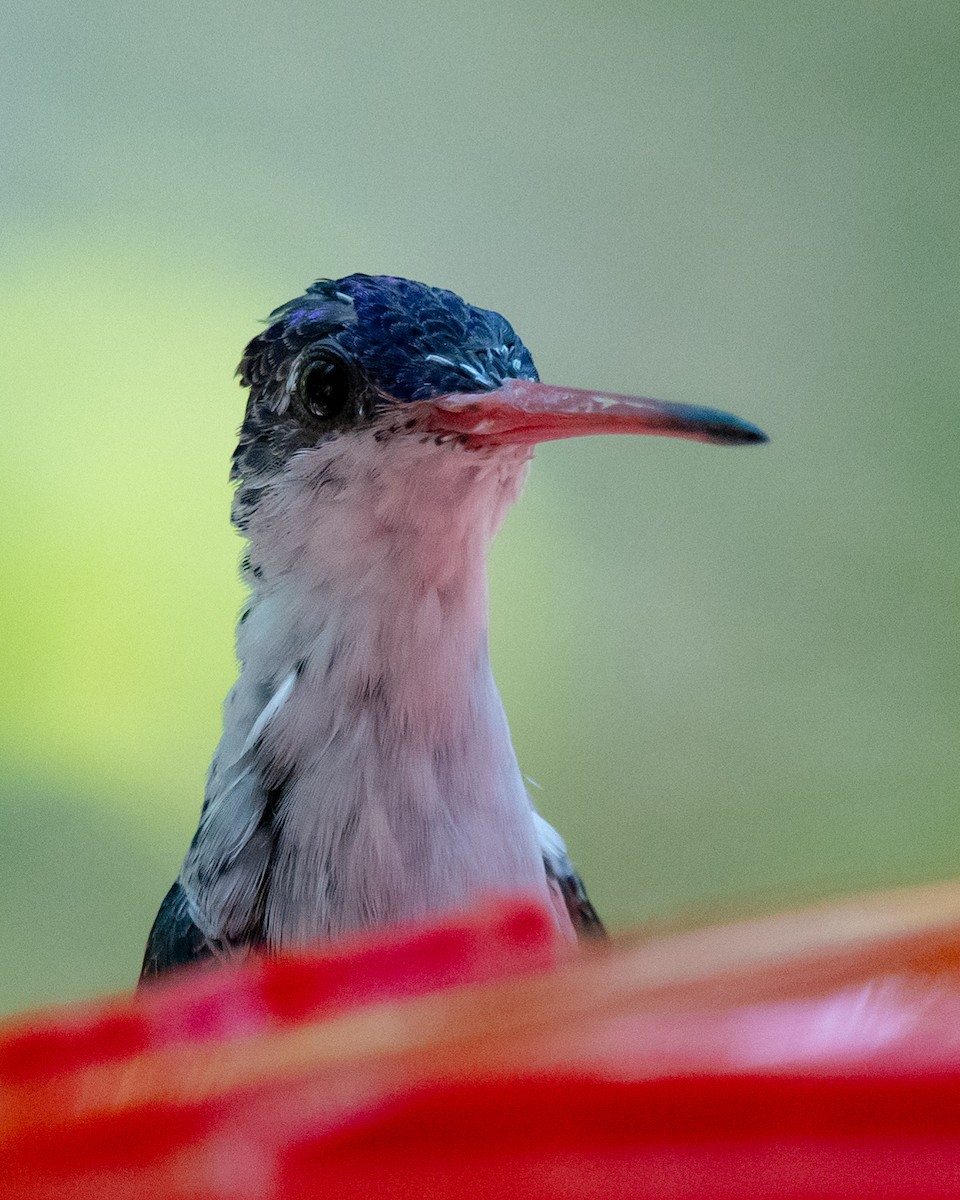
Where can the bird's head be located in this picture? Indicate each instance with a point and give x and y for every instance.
(367, 358)
(387, 378)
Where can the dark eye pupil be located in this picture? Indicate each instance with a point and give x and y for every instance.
(325, 387)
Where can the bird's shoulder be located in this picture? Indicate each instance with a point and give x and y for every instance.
(565, 883)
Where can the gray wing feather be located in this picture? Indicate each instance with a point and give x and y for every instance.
(174, 940)
(216, 906)
(563, 879)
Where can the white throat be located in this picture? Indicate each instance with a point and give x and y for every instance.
(366, 773)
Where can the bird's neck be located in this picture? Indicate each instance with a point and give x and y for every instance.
(401, 791)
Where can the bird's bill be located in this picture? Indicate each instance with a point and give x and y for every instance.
(522, 413)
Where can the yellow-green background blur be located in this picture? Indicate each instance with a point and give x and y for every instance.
(734, 673)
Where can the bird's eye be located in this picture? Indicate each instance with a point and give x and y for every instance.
(324, 387)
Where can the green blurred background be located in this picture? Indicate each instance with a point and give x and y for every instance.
(733, 673)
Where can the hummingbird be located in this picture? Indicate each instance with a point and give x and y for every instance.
(365, 775)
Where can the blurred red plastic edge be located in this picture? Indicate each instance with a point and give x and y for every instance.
(814, 1053)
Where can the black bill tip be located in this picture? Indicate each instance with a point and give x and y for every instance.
(721, 428)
